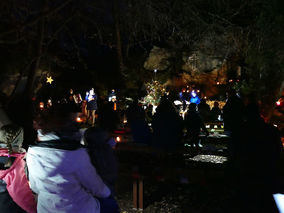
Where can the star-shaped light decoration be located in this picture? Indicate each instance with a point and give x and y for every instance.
(49, 79)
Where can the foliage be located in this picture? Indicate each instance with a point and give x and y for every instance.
(155, 90)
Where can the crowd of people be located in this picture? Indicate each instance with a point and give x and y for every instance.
(60, 173)
(66, 170)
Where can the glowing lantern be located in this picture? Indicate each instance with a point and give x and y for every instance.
(41, 105)
(118, 139)
(79, 120)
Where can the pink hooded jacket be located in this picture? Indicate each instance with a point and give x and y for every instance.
(17, 182)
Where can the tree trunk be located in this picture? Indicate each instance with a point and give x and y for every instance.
(35, 64)
(118, 37)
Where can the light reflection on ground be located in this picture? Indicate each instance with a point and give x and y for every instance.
(208, 159)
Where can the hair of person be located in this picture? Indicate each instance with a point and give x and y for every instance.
(54, 118)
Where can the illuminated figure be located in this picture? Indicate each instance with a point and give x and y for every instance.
(91, 105)
(112, 98)
(194, 98)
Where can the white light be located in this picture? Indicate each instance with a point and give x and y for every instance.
(117, 139)
(155, 70)
(79, 120)
(177, 102)
(215, 126)
(207, 126)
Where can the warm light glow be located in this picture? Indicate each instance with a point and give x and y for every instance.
(230, 80)
(117, 139)
(198, 90)
(215, 126)
(124, 121)
(218, 83)
(278, 103)
(79, 120)
(41, 105)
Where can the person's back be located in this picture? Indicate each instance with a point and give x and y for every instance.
(204, 110)
(193, 124)
(259, 157)
(60, 170)
(216, 112)
(136, 118)
(233, 113)
(15, 193)
(101, 153)
(167, 126)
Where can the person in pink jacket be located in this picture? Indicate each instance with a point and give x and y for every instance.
(16, 195)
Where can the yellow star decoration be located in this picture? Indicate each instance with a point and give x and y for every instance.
(49, 79)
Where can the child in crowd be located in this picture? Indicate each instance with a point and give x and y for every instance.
(100, 144)
(15, 193)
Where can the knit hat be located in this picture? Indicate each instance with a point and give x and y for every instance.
(11, 137)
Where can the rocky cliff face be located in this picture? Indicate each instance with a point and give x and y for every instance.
(197, 67)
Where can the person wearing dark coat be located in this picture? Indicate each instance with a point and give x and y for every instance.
(204, 110)
(215, 112)
(136, 118)
(167, 127)
(258, 157)
(193, 123)
(233, 120)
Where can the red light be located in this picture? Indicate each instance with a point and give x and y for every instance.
(278, 103)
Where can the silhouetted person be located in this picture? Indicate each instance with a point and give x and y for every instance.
(167, 126)
(233, 120)
(233, 113)
(99, 144)
(204, 110)
(193, 123)
(136, 118)
(259, 158)
(108, 119)
(215, 112)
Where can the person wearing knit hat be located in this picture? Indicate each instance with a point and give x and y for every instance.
(16, 194)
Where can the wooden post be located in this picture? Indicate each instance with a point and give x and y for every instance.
(141, 194)
(135, 192)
